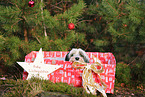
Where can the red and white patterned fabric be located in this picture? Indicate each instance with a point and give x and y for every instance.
(72, 76)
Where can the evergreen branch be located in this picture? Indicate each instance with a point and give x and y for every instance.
(137, 8)
(120, 5)
(67, 41)
(142, 18)
(37, 39)
(8, 13)
(84, 21)
(15, 5)
(16, 22)
(73, 12)
(24, 18)
(111, 23)
(133, 60)
(124, 34)
(112, 7)
(56, 7)
(59, 2)
(86, 47)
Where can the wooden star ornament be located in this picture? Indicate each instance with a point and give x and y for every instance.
(38, 68)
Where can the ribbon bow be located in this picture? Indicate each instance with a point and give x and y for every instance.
(88, 82)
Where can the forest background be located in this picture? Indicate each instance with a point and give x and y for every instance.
(115, 26)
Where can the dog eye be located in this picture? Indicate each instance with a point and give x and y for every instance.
(71, 55)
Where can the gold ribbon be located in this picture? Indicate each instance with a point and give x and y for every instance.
(88, 81)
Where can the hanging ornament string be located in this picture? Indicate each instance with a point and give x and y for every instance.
(87, 76)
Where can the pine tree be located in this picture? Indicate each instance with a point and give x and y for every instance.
(115, 26)
(125, 22)
(25, 29)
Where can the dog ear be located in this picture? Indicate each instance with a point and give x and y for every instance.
(85, 56)
(86, 59)
(67, 57)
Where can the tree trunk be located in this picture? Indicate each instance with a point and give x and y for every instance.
(45, 33)
(25, 35)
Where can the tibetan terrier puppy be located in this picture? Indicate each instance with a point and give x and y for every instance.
(77, 55)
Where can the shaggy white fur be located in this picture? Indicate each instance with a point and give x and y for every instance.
(77, 55)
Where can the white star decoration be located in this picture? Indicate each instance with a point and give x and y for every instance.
(38, 68)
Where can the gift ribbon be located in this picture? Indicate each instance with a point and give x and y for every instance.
(88, 81)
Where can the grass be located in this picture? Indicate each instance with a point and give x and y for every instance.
(35, 87)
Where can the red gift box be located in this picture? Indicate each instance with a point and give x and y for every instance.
(72, 76)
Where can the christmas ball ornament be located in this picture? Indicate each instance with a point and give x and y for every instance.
(71, 26)
(125, 25)
(31, 3)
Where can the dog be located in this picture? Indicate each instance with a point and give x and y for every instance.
(77, 55)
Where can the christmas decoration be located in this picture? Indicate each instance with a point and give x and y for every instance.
(31, 3)
(89, 83)
(124, 25)
(71, 76)
(71, 26)
(38, 68)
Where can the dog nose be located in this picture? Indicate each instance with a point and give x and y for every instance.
(77, 58)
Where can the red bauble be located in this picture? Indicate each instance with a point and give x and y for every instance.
(31, 3)
(125, 25)
(71, 26)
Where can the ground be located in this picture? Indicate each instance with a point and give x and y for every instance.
(119, 90)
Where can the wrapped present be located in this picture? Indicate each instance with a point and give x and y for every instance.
(73, 76)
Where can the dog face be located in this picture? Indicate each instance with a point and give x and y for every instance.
(77, 55)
